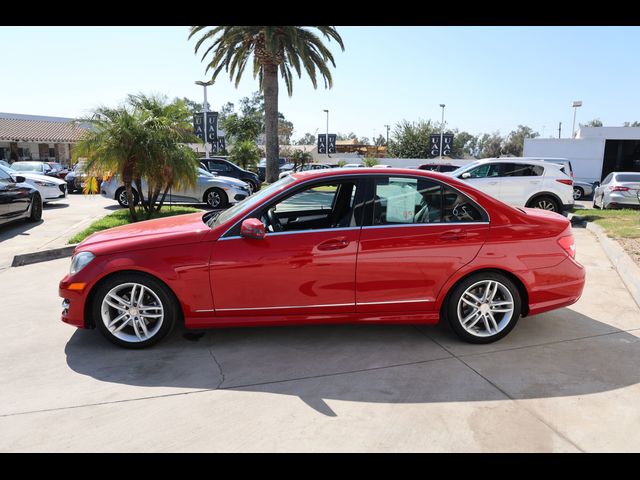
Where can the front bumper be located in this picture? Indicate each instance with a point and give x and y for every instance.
(52, 194)
(236, 194)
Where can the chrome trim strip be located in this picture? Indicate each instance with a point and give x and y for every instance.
(396, 301)
(209, 310)
(402, 225)
(290, 306)
(270, 234)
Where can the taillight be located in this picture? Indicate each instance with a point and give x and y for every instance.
(568, 245)
(566, 181)
(619, 189)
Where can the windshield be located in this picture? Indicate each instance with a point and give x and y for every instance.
(27, 166)
(628, 177)
(9, 170)
(202, 171)
(249, 202)
(458, 171)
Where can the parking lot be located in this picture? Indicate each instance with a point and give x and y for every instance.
(562, 381)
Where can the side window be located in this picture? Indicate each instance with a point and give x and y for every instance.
(459, 208)
(219, 167)
(522, 170)
(486, 170)
(4, 176)
(401, 200)
(320, 197)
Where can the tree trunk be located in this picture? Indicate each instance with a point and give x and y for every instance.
(126, 178)
(164, 195)
(270, 88)
(141, 193)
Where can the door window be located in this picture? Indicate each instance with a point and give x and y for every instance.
(219, 167)
(486, 170)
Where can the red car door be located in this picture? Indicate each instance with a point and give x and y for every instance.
(305, 266)
(419, 232)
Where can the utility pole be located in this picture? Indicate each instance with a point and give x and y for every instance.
(575, 106)
(559, 129)
(441, 129)
(387, 135)
(205, 109)
(327, 112)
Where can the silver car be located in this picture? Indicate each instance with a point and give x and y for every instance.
(581, 189)
(214, 190)
(618, 189)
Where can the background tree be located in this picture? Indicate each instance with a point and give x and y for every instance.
(463, 144)
(491, 145)
(632, 124)
(596, 122)
(245, 154)
(274, 49)
(411, 139)
(514, 143)
(308, 139)
(370, 161)
(380, 141)
(300, 158)
(192, 106)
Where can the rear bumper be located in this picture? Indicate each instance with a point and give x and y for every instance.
(556, 287)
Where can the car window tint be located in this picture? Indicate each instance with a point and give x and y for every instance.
(402, 200)
(607, 179)
(486, 170)
(319, 197)
(219, 167)
(629, 177)
(522, 170)
(457, 207)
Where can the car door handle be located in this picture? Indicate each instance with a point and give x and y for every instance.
(453, 235)
(534, 181)
(493, 183)
(334, 244)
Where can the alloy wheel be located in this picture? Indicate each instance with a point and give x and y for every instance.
(213, 199)
(485, 308)
(545, 204)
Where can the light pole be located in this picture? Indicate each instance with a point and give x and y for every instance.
(441, 129)
(327, 144)
(387, 127)
(575, 106)
(205, 109)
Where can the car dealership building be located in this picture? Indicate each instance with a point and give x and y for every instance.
(594, 153)
(36, 137)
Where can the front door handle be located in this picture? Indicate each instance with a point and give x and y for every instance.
(334, 244)
(453, 235)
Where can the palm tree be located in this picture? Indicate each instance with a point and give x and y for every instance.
(274, 49)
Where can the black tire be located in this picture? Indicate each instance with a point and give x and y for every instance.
(121, 197)
(170, 307)
(35, 214)
(252, 185)
(216, 198)
(595, 206)
(545, 202)
(579, 192)
(455, 298)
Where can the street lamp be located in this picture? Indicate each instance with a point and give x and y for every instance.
(441, 129)
(327, 144)
(205, 110)
(576, 104)
(387, 127)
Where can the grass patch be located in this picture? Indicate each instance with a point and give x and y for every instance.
(623, 223)
(121, 217)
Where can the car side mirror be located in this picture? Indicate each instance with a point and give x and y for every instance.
(465, 175)
(20, 179)
(252, 228)
(596, 184)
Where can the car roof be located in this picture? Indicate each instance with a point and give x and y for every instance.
(531, 161)
(330, 172)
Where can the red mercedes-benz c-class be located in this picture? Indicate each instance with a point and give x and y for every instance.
(358, 245)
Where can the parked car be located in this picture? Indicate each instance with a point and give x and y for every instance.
(618, 189)
(18, 199)
(57, 170)
(521, 183)
(566, 163)
(226, 168)
(353, 165)
(31, 166)
(262, 167)
(439, 167)
(378, 245)
(77, 177)
(581, 189)
(214, 190)
(5, 163)
(51, 189)
(304, 168)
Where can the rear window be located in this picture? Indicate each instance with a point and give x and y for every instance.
(629, 177)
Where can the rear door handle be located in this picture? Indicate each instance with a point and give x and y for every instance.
(334, 244)
(453, 235)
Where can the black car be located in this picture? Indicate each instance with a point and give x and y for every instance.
(227, 169)
(439, 167)
(262, 167)
(18, 200)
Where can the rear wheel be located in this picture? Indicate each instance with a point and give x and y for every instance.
(36, 208)
(134, 310)
(578, 193)
(545, 202)
(484, 307)
(216, 198)
(121, 196)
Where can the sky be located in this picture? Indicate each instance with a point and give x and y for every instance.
(490, 78)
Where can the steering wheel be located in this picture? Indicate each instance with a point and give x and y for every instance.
(461, 212)
(274, 221)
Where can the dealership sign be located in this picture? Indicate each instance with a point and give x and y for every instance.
(322, 143)
(434, 144)
(211, 128)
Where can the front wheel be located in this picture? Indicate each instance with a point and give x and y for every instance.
(545, 202)
(577, 193)
(36, 208)
(484, 307)
(134, 310)
(216, 198)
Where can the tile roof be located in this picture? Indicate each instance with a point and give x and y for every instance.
(17, 128)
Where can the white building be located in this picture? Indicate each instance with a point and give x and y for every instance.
(594, 153)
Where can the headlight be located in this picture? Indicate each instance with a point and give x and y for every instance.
(79, 261)
(40, 183)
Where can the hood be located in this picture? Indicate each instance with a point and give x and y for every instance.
(41, 177)
(161, 232)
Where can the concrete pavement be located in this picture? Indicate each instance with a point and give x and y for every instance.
(562, 381)
(60, 221)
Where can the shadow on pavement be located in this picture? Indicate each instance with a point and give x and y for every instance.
(374, 363)
(55, 206)
(18, 227)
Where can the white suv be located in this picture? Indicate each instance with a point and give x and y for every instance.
(521, 183)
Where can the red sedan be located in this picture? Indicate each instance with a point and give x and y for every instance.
(333, 246)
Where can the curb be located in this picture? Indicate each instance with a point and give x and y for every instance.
(626, 267)
(42, 256)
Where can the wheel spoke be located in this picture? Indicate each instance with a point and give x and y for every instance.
(150, 315)
(116, 306)
(492, 320)
(470, 316)
(117, 319)
(143, 326)
(119, 299)
(122, 325)
(132, 295)
(493, 292)
(487, 290)
(501, 310)
(471, 304)
(473, 297)
(139, 302)
(137, 329)
(486, 323)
